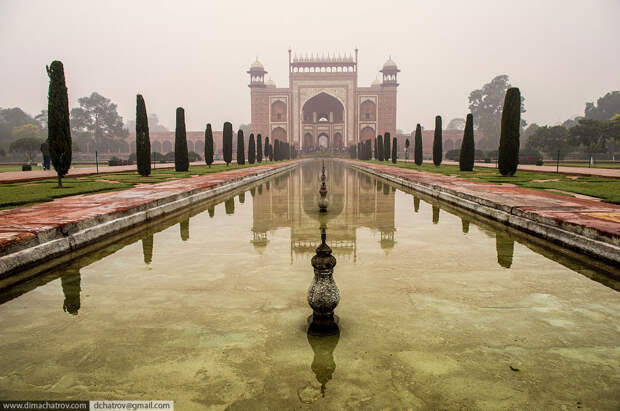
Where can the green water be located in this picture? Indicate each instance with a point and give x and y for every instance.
(438, 310)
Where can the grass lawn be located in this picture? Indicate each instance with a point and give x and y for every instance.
(18, 167)
(607, 189)
(585, 165)
(24, 193)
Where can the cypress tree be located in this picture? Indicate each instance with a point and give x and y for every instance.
(267, 147)
(209, 145)
(508, 153)
(227, 142)
(394, 150)
(270, 152)
(276, 150)
(468, 148)
(437, 143)
(240, 148)
(259, 148)
(181, 160)
(375, 148)
(418, 152)
(58, 129)
(386, 148)
(143, 142)
(407, 144)
(380, 148)
(251, 149)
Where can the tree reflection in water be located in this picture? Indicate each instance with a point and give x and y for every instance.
(71, 289)
(505, 247)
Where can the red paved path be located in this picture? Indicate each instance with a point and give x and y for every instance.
(578, 215)
(20, 176)
(22, 224)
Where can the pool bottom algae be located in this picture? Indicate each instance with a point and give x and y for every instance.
(211, 310)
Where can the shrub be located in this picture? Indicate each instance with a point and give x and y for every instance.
(143, 141)
(453, 154)
(468, 148)
(156, 156)
(26, 167)
(193, 156)
(508, 153)
(380, 147)
(240, 148)
(208, 145)
(251, 149)
(437, 143)
(59, 129)
(227, 143)
(181, 160)
(394, 150)
(418, 153)
(259, 148)
(169, 157)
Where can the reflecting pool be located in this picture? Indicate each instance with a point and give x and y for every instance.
(438, 309)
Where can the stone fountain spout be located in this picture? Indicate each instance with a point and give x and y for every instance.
(323, 294)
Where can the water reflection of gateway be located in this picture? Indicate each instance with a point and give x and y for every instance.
(355, 200)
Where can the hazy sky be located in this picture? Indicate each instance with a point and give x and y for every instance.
(195, 54)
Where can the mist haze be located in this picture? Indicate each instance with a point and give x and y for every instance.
(196, 54)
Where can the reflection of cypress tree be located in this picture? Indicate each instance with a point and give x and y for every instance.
(379, 186)
(211, 211)
(267, 186)
(260, 189)
(465, 225)
(147, 248)
(253, 191)
(229, 205)
(435, 214)
(71, 289)
(505, 247)
(185, 229)
(416, 204)
(241, 198)
(386, 189)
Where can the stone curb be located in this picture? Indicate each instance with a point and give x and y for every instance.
(582, 239)
(56, 242)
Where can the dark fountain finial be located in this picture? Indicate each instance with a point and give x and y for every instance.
(323, 294)
(323, 297)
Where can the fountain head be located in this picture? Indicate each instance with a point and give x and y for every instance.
(323, 294)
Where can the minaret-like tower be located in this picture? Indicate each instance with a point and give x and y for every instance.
(257, 74)
(390, 72)
(387, 99)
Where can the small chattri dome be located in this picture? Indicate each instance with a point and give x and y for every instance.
(375, 83)
(389, 64)
(257, 65)
(270, 83)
